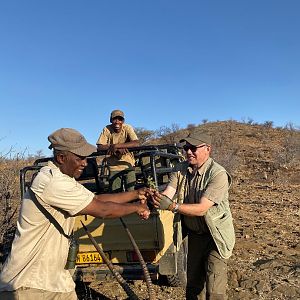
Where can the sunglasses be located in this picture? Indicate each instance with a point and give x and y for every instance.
(193, 148)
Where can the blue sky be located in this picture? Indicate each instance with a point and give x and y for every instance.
(69, 63)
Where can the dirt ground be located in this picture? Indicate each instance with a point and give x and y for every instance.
(265, 197)
(265, 164)
(265, 262)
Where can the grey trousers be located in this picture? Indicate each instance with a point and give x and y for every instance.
(206, 269)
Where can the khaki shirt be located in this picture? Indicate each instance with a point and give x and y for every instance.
(214, 191)
(108, 136)
(39, 250)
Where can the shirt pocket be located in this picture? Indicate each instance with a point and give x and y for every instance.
(224, 226)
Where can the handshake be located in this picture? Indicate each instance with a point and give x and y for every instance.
(158, 200)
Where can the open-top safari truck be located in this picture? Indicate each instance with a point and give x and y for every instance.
(157, 237)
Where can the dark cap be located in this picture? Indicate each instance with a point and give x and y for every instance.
(69, 139)
(116, 113)
(196, 138)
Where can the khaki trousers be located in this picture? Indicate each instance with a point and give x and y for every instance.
(206, 269)
(36, 294)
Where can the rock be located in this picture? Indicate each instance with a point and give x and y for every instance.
(287, 290)
(233, 280)
(263, 264)
(297, 247)
(262, 286)
(245, 295)
(248, 283)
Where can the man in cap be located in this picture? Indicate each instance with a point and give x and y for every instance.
(201, 186)
(116, 138)
(35, 268)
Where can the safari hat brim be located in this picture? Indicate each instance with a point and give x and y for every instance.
(68, 139)
(197, 138)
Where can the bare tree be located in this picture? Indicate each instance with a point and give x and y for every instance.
(168, 134)
(268, 124)
(144, 135)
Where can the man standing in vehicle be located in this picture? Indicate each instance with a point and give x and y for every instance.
(116, 138)
(202, 186)
(36, 267)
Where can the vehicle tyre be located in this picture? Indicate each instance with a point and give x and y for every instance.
(179, 279)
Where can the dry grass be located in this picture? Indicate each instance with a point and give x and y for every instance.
(265, 164)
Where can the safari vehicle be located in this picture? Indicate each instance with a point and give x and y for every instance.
(156, 237)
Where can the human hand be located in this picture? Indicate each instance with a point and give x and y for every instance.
(143, 211)
(161, 201)
(155, 198)
(112, 149)
(144, 194)
(122, 151)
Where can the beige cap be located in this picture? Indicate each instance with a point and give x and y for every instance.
(196, 138)
(116, 113)
(69, 139)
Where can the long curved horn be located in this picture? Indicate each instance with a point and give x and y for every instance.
(116, 274)
(152, 295)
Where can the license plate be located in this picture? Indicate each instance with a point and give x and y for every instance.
(89, 258)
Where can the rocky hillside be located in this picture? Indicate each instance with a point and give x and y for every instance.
(265, 164)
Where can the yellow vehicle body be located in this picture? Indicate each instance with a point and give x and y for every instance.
(154, 234)
(154, 237)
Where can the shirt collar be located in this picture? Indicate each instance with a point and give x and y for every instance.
(52, 165)
(202, 169)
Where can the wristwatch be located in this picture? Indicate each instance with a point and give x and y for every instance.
(175, 209)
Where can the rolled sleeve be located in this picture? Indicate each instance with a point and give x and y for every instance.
(173, 182)
(104, 137)
(131, 134)
(67, 194)
(217, 188)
